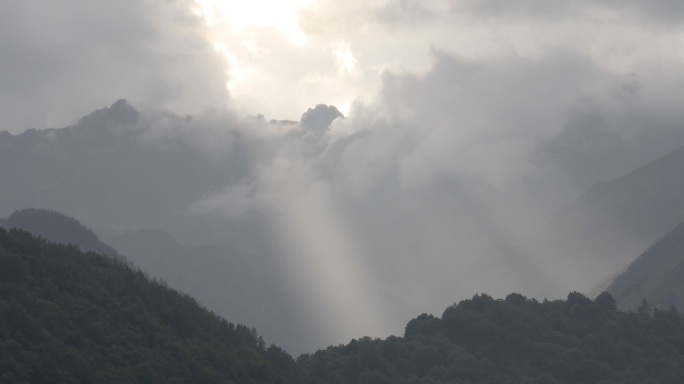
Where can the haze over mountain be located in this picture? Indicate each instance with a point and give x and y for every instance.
(656, 276)
(235, 285)
(58, 228)
(120, 172)
(232, 284)
(466, 126)
(607, 227)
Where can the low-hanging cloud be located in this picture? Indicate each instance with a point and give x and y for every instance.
(435, 184)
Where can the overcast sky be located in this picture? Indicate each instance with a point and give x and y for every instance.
(68, 57)
(465, 121)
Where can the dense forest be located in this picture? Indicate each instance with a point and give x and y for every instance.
(67, 316)
(72, 317)
(516, 340)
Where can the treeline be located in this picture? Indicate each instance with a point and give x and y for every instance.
(516, 340)
(72, 317)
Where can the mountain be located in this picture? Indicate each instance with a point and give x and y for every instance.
(112, 168)
(117, 169)
(614, 221)
(59, 228)
(218, 276)
(657, 275)
(69, 316)
(225, 280)
(516, 340)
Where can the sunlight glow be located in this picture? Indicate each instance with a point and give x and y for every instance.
(324, 253)
(346, 62)
(242, 15)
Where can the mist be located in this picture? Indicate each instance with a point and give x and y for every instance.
(436, 182)
(440, 188)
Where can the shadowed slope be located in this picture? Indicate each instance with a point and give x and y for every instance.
(69, 316)
(657, 275)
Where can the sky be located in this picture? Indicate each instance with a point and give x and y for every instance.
(466, 123)
(278, 58)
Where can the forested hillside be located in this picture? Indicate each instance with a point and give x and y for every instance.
(69, 316)
(516, 340)
(233, 286)
(73, 317)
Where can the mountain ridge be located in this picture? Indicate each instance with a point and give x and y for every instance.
(656, 276)
(59, 228)
(614, 221)
(69, 316)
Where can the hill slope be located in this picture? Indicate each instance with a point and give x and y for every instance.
(232, 285)
(58, 228)
(69, 316)
(119, 170)
(657, 275)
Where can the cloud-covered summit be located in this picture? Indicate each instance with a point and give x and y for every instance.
(119, 113)
(319, 118)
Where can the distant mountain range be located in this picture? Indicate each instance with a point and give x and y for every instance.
(135, 187)
(107, 170)
(477, 340)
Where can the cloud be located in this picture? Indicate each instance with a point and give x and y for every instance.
(435, 183)
(481, 119)
(319, 118)
(64, 58)
(658, 11)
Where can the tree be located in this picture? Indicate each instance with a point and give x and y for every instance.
(606, 302)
